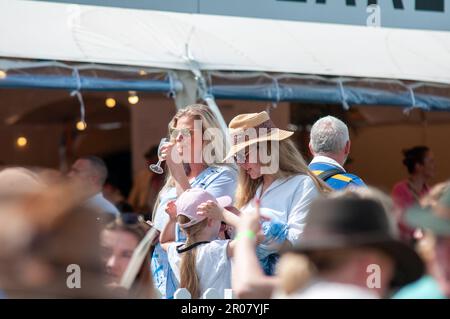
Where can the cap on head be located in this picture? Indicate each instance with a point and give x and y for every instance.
(188, 202)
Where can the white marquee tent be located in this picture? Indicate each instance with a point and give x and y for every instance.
(51, 31)
(304, 61)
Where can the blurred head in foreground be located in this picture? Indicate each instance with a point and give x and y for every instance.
(433, 216)
(347, 240)
(49, 242)
(119, 239)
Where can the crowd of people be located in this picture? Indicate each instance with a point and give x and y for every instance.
(240, 210)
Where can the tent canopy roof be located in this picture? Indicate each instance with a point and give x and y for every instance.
(51, 31)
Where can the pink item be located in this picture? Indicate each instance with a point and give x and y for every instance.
(404, 198)
(188, 202)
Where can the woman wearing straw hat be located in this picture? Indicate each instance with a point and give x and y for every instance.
(272, 170)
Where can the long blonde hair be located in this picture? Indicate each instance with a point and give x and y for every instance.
(189, 278)
(291, 163)
(218, 146)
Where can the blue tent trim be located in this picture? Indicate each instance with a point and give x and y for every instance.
(330, 94)
(87, 83)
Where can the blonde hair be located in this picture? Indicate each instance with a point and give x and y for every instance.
(209, 121)
(296, 270)
(189, 278)
(291, 163)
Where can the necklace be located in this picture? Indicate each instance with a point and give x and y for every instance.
(413, 191)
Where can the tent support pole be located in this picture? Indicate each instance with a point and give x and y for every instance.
(189, 93)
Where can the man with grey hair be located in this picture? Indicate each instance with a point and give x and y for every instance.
(330, 146)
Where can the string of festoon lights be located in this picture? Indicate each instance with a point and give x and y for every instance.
(21, 141)
(110, 102)
(81, 125)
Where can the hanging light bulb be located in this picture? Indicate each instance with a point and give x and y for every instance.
(110, 102)
(81, 125)
(2, 74)
(133, 98)
(21, 141)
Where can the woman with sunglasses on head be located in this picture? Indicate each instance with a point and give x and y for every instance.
(194, 158)
(119, 239)
(273, 171)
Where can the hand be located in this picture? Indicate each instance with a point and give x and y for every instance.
(418, 234)
(170, 154)
(175, 164)
(251, 221)
(233, 210)
(171, 210)
(260, 237)
(211, 210)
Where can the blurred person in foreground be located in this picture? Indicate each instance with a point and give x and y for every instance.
(343, 238)
(91, 172)
(17, 181)
(119, 239)
(419, 161)
(434, 217)
(49, 247)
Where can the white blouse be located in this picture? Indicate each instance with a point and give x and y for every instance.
(212, 265)
(287, 200)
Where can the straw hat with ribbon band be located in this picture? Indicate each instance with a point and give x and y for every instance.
(436, 218)
(242, 126)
